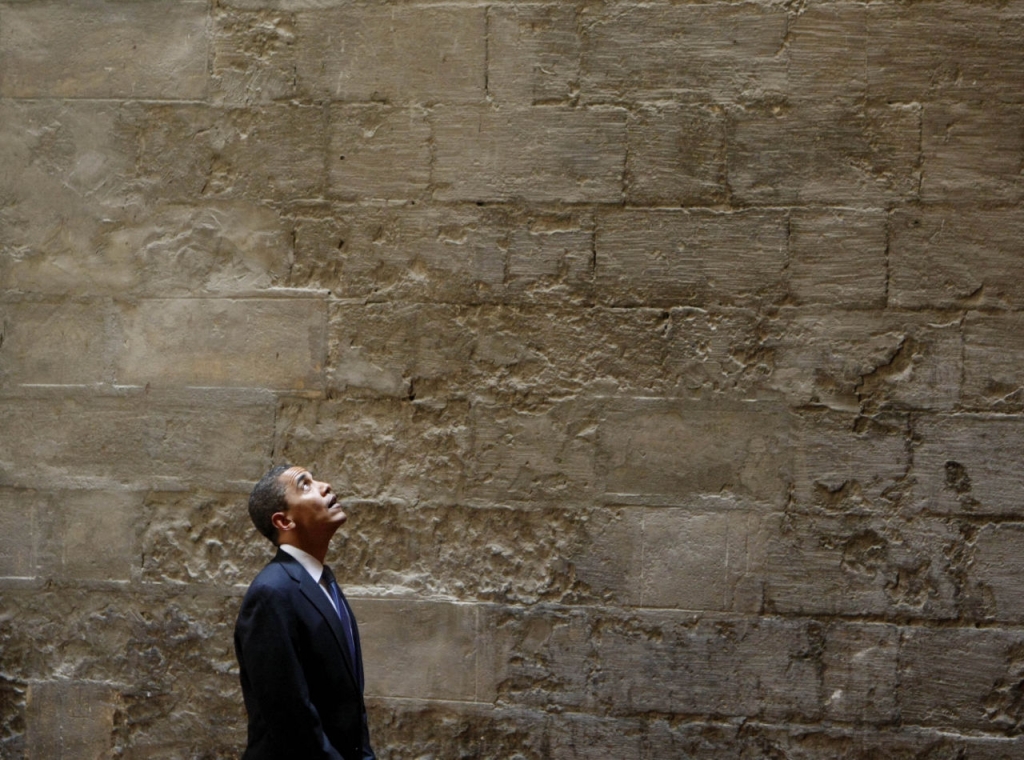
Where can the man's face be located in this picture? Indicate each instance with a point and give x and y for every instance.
(313, 510)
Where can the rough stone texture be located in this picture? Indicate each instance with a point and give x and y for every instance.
(668, 353)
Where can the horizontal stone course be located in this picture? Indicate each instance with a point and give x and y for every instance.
(104, 50)
(498, 352)
(717, 52)
(133, 439)
(689, 257)
(550, 154)
(806, 152)
(401, 53)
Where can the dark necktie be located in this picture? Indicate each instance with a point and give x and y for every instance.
(327, 578)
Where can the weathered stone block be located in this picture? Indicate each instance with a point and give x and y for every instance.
(702, 561)
(215, 247)
(497, 554)
(722, 353)
(393, 54)
(189, 537)
(98, 540)
(963, 677)
(676, 453)
(947, 49)
(860, 673)
(993, 374)
(495, 352)
(252, 56)
(994, 573)
(135, 438)
(838, 257)
(420, 649)
(533, 54)
(848, 465)
(704, 741)
(444, 254)
(540, 154)
(378, 152)
(22, 514)
(708, 53)
(664, 662)
(972, 150)
(446, 730)
(969, 464)
(55, 343)
(827, 48)
(126, 640)
(945, 257)
(70, 719)
(65, 169)
(539, 453)
(188, 152)
(676, 156)
(449, 254)
(804, 151)
(390, 449)
(609, 563)
(104, 50)
(862, 566)
(692, 257)
(869, 361)
(550, 255)
(270, 343)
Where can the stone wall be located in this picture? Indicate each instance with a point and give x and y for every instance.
(675, 351)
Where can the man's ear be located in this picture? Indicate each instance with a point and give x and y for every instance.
(281, 521)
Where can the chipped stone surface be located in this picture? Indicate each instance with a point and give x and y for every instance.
(667, 354)
(806, 152)
(862, 567)
(689, 257)
(943, 257)
(993, 348)
(967, 677)
(846, 465)
(967, 464)
(869, 362)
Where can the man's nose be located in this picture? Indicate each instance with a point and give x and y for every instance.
(325, 488)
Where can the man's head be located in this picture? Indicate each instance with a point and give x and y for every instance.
(288, 506)
(267, 497)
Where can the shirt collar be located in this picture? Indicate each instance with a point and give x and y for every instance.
(312, 565)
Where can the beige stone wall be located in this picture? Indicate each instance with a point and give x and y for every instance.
(675, 349)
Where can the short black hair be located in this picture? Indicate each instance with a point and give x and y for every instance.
(267, 497)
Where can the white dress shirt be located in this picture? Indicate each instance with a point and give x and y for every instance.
(312, 565)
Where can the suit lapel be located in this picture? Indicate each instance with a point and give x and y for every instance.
(311, 591)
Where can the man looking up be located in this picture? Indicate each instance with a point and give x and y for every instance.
(296, 638)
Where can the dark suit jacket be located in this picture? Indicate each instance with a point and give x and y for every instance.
(303, 695)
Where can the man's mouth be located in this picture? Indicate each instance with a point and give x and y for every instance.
(333, 502)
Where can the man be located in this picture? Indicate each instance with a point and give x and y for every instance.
(296, 637)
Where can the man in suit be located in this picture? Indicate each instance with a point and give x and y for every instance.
(296, 637)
